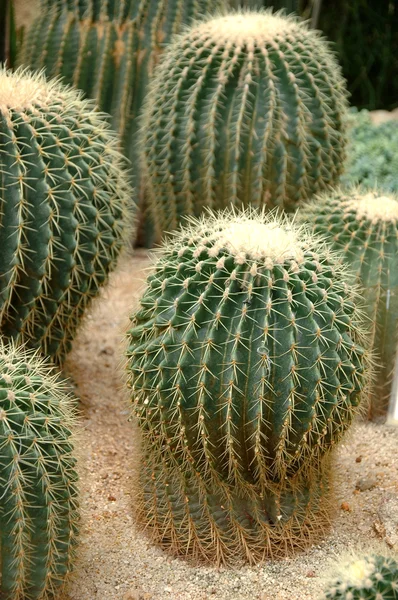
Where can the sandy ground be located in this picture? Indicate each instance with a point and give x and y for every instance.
(118, 562)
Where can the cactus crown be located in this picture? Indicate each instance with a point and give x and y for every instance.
(373, 577)
(247, 28)
(372, 206)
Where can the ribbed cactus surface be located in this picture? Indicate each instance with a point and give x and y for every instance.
(363, 225)
(109, 49)
(372, 577)
(39, 500)
(246, 367)
(64, 203)
(244, 109)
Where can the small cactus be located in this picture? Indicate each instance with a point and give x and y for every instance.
(246, 366)
(372, 577)
(64, 203)
(244, 109)
(363, 226)
(39, 512)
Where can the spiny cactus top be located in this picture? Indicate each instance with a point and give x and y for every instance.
(64, 204)
(372, 577)
(244, 108)
(246, 367)
(38, 500)
(363, 225)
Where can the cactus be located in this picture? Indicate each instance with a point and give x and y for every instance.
(63, 210)
(245, 364)
(372, 577)
(39, 512)
(364, 227)
(372, 153)
(244, 108)
(108, 49)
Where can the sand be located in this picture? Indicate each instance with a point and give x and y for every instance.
(119, 562)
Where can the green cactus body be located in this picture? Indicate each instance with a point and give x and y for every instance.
(372, 577)
(244, 109)
(64, 206)
(364, 227)
(246, 366)
(109, 49)
(39, 499)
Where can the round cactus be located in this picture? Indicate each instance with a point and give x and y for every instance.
(363, 226)
(244, 109)
(39, 499)
(64, 210)
(372, 577)
(246, 366)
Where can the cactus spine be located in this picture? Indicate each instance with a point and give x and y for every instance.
(39, 499)
(246, 367)
(372, 577)
(244, 108)
(63, 209)
(363, 225)
(109, 48)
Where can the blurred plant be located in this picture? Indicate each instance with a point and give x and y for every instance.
(372, 153)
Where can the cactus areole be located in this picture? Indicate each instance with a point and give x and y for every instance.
(246, 366)
(244, 108)
(64, 203)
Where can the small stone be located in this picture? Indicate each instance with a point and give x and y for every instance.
(366, 483)
(310, 574)
(111, 498)
(358, 459)
(345, 506)
(388, 516)
(168, 588)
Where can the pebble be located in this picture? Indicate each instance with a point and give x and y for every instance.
(388, 515)
(366, 483)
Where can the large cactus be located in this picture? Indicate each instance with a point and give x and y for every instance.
(363, 225)
(39, 499)
(64, 201)
(246, 367)
(108, 48)
(370, 577)
(244, 108)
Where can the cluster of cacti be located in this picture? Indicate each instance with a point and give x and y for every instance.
(109, 48)
(246, 366)
(372, 153)
(363, 226)
(38, 500)
(244, 108)
(372, 577)
(64, 209)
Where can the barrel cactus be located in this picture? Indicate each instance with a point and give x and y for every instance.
(246, 365)
(64, 214)
(363, 226)
(372, 577)
(244, 108)
(39, 512)
(108, 48)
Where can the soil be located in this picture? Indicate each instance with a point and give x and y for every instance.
(119, 562)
